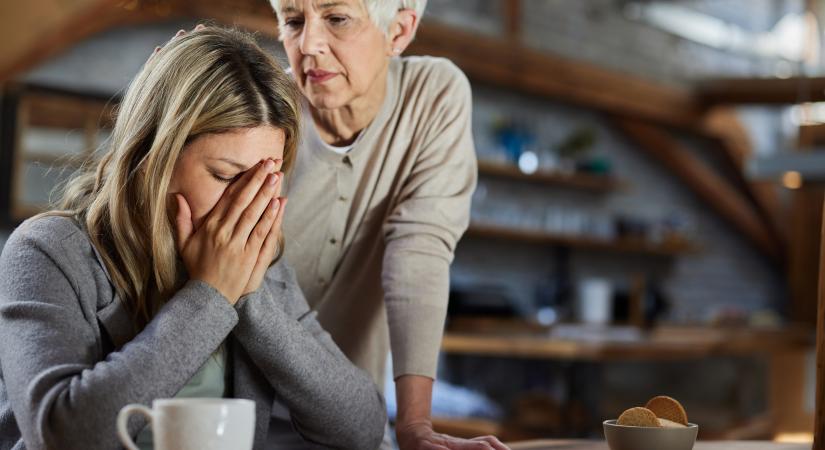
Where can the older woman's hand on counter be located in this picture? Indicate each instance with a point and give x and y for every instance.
(420, 436)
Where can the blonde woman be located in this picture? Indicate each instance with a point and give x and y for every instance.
(155, 278)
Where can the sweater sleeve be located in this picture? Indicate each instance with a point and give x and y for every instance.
(62, 394)
(331, 402)
(424, 226)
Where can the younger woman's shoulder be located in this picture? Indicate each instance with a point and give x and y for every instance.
(48, 233)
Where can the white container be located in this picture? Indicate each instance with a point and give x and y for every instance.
(595, 301)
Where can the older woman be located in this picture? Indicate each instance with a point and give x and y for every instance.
(381, 190)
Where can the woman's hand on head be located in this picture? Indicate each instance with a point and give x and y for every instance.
(180, 33)
(230, 246)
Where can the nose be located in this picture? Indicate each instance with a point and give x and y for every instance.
(313, 38)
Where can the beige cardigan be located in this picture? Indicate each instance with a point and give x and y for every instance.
(371, 234)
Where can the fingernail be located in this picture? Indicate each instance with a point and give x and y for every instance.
(275, 204)
(272, 179)
(180, 32)
(269, 165)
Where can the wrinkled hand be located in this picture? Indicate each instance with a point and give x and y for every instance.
(420, 436)
(234, 239)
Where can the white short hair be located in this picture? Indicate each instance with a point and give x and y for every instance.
(381, 11)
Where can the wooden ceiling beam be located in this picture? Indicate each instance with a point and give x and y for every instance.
(775, 91)
(733, 139)
(70, 25)
(727, 201)
(511, 16)
(251, 16)
(506, 64)
(811, 135)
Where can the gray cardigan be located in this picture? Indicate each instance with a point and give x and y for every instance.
(70, 360)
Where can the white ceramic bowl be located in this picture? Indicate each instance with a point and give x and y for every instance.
(622, 437)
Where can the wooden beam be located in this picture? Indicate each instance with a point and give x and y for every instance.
(805, 222)
(724, 126)
(251, 16)
(42, 29)
(511, 15)
(514, 67)
(787, 386)
(52, 109)
(812, 135)
(761, 91)
(819, 413)
(705, 182)
(23, 27)
(61, 24)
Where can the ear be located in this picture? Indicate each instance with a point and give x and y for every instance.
(402, 30)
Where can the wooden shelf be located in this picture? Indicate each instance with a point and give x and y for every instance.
(662, 343)
(620, 245)
(581, 181)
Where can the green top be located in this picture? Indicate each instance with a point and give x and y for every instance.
(208, 382)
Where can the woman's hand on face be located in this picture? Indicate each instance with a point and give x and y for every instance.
(271, 242)
(224, 251)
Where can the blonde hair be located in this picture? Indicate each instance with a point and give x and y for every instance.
(210, 81)
(381, 12)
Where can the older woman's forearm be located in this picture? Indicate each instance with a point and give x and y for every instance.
(414, 395)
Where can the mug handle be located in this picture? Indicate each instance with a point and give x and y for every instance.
(123, 420)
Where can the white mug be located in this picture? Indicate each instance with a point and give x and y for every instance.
(194, 424)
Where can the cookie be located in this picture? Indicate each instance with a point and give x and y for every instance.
(638, 417)
(664, 423)
(667, 408)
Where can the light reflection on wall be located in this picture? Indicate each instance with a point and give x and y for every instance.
(793, 39)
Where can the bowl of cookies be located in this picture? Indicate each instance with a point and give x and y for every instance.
(661, 424)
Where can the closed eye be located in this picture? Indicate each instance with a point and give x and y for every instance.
(224, 179)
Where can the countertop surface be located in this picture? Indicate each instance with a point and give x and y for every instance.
(601, 445)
